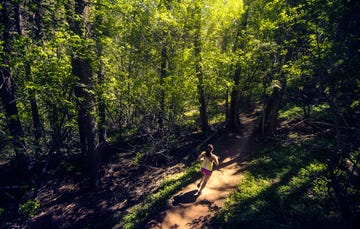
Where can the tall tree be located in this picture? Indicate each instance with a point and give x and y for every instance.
(85, 99)
(6, 89)
(99, 30)
(38, 18)
(198, 68)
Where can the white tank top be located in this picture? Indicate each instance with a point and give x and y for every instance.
(207, 164)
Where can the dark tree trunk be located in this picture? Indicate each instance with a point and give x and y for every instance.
(102, 108)
(201, 91)
(273, 104)
(272, 109)
(86, 121)
(100, 77)
(233, 122)
(33, 103)
(12, 118)
(35, 115)
(163, 73)
(38, 20)
(7, 93)
(85, 100)
(227, 106)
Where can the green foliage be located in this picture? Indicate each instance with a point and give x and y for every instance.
(29, 208)
(290, 113)
(145, 54)
(283, 186)
(321, 111)
(138, 157)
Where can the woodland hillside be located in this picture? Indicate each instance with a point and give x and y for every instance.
(105, 105)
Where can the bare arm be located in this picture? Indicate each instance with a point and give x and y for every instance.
(200, 156)
(215, 159)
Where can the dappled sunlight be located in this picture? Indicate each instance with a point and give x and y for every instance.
(185, 209)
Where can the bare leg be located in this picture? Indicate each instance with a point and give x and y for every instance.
(206, 178)
(201, 180)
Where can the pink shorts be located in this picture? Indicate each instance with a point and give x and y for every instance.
(206, 172)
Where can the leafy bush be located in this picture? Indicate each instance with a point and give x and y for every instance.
(29, 208)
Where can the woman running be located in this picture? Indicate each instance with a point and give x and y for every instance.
(208, 158)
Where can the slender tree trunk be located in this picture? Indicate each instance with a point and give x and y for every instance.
(227, 106)
(101, 102)
(38, 20)
(201, 91)
(102, 108)
(32, 96)
(163, 73)
(85, 100)
(233, 121)
(100, 76)
(35, 115)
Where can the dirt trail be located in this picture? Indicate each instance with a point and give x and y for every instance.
(185, 210)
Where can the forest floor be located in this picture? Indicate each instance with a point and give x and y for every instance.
(187, 210)
(66, 202)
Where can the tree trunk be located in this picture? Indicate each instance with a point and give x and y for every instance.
(272, 109)
(102, 112)
(100, 76)
(35, 116)
(85, 99)
(33, 103)
(227, 105)
(198, 71)
(86, 121)
(101, 106)
(7, 94)
(163, 73)
(233, 121)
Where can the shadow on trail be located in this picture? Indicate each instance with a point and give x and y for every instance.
(238, 159)
(185, 198)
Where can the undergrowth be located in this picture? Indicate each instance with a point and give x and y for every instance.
(284, 186)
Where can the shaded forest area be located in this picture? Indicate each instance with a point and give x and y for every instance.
(96, 95)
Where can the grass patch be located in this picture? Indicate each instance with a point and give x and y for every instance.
(153, 203)
(283, 187)
(192, 113)
(290, 112)
(321, 111)
(217, 118)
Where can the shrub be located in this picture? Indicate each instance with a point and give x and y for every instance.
(29, 208)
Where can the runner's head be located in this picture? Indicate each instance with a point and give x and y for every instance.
(209, 150)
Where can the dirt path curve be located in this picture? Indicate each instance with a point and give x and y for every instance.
(185, 210)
